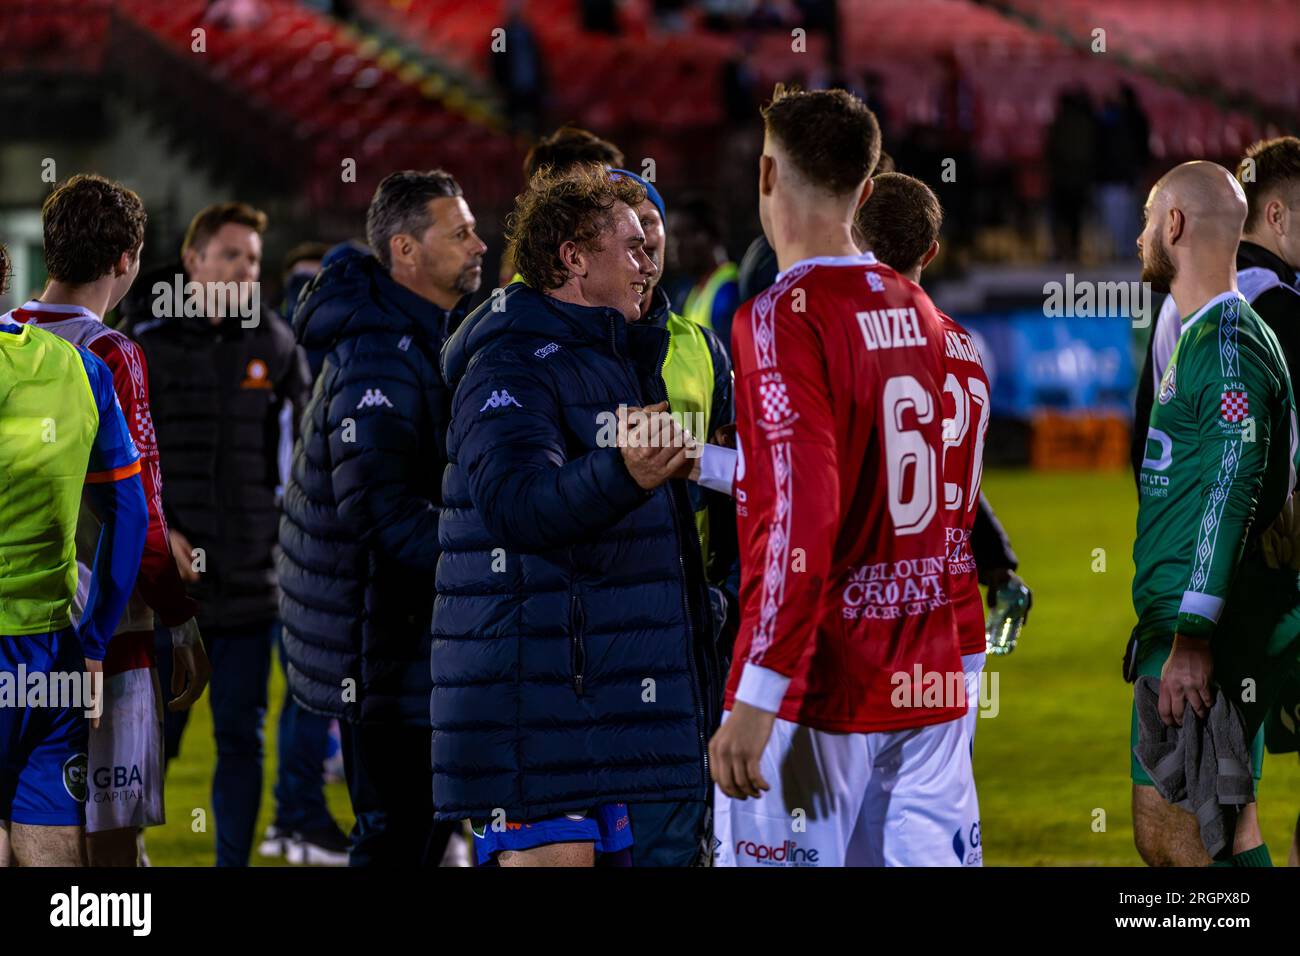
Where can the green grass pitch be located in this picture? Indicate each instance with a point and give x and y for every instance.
(1054, 756)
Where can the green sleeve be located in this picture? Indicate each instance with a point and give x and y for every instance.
(1232, 394)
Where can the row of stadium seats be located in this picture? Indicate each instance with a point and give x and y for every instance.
(1249, 48)
(54, 35)
(1014, 71)
(596, 79)
(338, 97)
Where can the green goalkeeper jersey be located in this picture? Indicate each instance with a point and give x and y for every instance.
(1220, 461)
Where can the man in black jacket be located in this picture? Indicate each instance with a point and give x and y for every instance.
(225, 379)
(359, 536)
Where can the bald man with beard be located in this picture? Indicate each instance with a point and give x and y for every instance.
(1219, 464)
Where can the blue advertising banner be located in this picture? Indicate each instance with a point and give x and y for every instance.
(1037, 363)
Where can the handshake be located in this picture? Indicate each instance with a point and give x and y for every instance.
(654, 445)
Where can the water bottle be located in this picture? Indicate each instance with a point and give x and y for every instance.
(1007, 616)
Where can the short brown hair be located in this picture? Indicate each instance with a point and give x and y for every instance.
(830, 135)
(1277, 164)
(899, 221)
(89, 221)
(569, 146)
(576, 204)
(209, 221)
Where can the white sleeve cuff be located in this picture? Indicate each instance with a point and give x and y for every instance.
(717, 469)
(762, 688)
(1202, 605)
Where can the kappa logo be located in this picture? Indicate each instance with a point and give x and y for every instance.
(546, 350)
(374, 397)
(500, 399)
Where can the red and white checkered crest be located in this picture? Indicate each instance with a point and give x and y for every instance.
(1234, 405)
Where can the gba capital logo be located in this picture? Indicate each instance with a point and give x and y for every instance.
(116, 778)
(76, 909)
(966, 844)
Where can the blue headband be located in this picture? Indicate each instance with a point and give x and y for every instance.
(650, 192)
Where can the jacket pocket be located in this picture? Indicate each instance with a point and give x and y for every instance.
(577, 646)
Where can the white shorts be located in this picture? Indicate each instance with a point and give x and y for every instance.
(972, 665)
(902, 798)
(125, 778)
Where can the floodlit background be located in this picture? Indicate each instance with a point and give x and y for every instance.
(1040, 124)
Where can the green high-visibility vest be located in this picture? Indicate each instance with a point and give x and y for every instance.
(688, 377)
(48, 423)
(699, 302)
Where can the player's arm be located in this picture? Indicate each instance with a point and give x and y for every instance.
(117, 497)
(373, 469)
(714, 469)
(785, 430)
(792, 497)
(1234, 440)
(512, 452)
(159, 581)
(991, 546)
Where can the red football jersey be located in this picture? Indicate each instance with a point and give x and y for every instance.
(966, 421)
(846, 623)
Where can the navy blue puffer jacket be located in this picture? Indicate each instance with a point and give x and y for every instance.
(359, 531)
(572, 654)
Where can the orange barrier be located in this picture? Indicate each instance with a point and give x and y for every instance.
(1060, 441)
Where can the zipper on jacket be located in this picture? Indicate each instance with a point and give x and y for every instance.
(577, 648)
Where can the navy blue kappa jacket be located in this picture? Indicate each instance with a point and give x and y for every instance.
(572, 654)
(359, 529)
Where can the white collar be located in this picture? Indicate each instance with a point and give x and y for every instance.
(862, 259)
(1221, 297)
(70, 311)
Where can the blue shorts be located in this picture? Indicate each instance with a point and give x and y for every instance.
(608, 826)
(42, 748)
